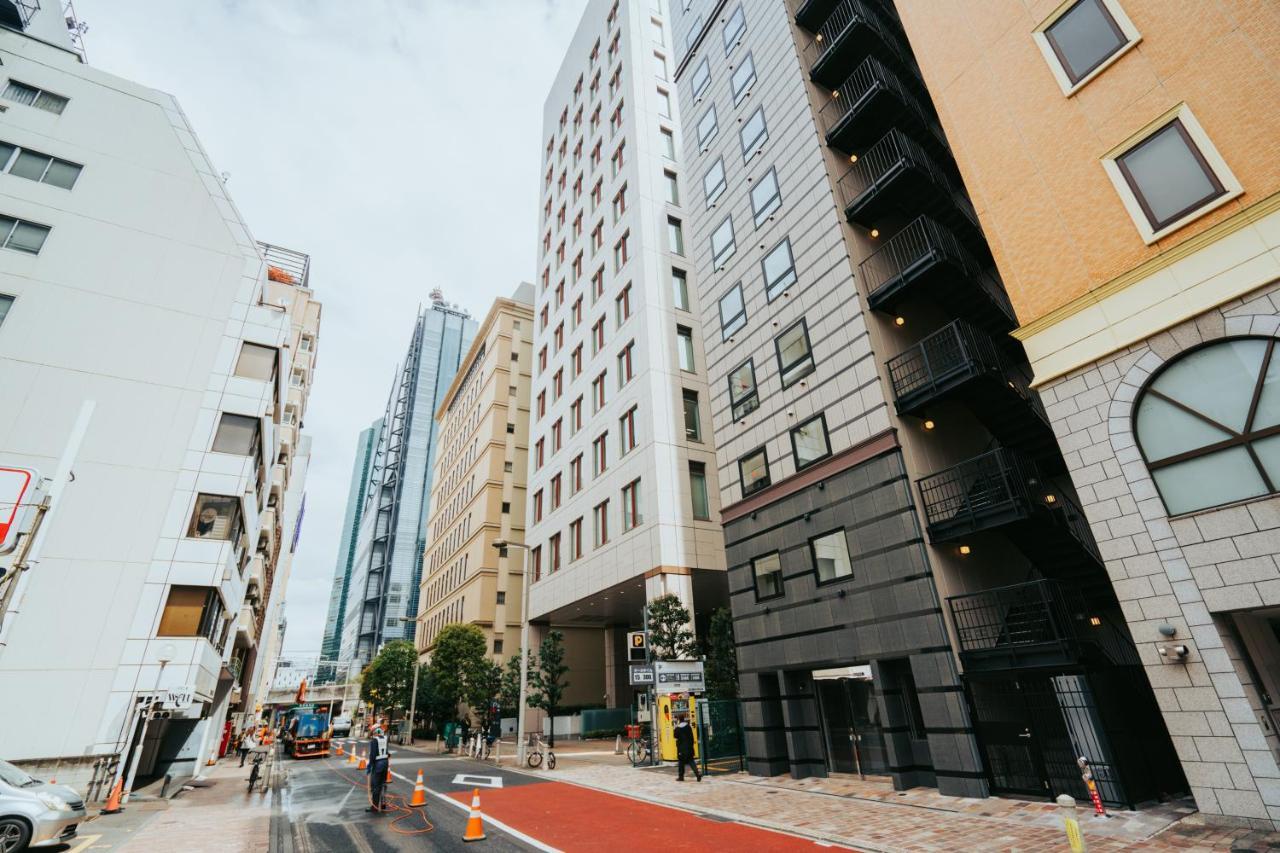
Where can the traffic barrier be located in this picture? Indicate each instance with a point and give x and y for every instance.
(617, 746)
(113, 801)
(419, 792)
(475, 823)
(213, 758)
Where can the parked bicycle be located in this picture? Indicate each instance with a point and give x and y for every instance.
(639, 751)
(255, 770)
(536, 754)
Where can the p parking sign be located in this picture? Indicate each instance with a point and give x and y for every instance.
(636, 646)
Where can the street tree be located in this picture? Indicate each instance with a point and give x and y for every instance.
(458, 653)
(509, 691)
(484, 683)
(387, 681)
(546, 682)
(669, 634)
(722, 656)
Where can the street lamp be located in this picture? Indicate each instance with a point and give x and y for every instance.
(413, 697)
(502, 545)
(163, 656)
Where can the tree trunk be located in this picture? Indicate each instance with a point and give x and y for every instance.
(551, 742)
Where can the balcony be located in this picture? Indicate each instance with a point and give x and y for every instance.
(812, 13)
(851, 32)
(961, 361)
(926, 260)
(16, 14)
(1002, 490)
(896, 175)
(1035, 624)
(871, 101)
(255, 574)
(246, 626)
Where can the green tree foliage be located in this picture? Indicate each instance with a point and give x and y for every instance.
(669, 634)
(387, 681)
(722, 657)
(547, 682)
(483, 685)
(509, 691)
(458, 654)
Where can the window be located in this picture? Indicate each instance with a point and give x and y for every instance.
(753, 134)
(743, 78)
(557, 436)
(707, 127)
(631, 506)
(600, 455)
(575, 362)
(620, 255)
(575, 475)
(192, 611)
(627, 431)
(684, 346)
(779, 269)
(664, 103)
(1208, 425)
(675, 235)
(743, 398)
(673, 187)
(215, 517)
(575, 416)
(668, 143)
(6, 302)
(35, 166)
(539, 453)
(257, 362)
(622, 305)
(753, 469)
(701, 78)
(535, 557)
(765, 198)
(831, 556)
(620, 203)
(600, 523)
(692, 417)
(501, 597)
(767, 571)
(698, 491)
(660, 66)
(576, 314)
(597, 336)
(809, 442)
(713, 182)
(619, 158)
(597, 195)
(497, 644)
(506, 508)
(692, 35)
(556, 493)
(597, 237)
(657, 30)
(553, 552)
(575, 539)
(734, 28)
(625, 364)
(733, 312)
(795, 358)
(597, 393)
(597, 285)
(236, 434)
(21, 235)
(1085, 37)
(537, 506)
(21, 93)
(542, 403)
(722, 243)
(679, 289)
(1170, 175)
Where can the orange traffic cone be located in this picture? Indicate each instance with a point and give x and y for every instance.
(419, 797)
(213, 758)
(339, 752)
(388, 772)
(113, 801)
(363, 764)
(351, 756)
(475, 824)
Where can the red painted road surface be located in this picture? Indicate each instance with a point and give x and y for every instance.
(574, 818)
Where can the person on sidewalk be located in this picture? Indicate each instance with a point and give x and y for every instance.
(247, 744)
(684, 748)
(379, 757)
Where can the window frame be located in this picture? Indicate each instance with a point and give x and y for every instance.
(720, 259)
(1067, 82)
(709, 197)
(689, 396)
(813, 557)
(772, 290)
(732, 38)
(699, 469)
(714, 130)
(739, 93)
(704, 68)
(782, 366)
(758, 141)
(749, 363)
(7, 164)
(765, 482)
(729, 329)
(773, 204)
(755, 576)
(826, 437)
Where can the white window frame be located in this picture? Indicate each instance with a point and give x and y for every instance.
(1060, 74)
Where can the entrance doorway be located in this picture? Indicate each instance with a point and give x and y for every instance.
(851, 726)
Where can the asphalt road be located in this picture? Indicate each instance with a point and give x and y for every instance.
(325, 801)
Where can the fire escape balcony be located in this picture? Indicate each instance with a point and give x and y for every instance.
(1035, 624)
(960, 361)
(1003, 490)
(897, 174)
(16, 14)
(872, 100)
(812, 13)
(926, 260)
(852, 31)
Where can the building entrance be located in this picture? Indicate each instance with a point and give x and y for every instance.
(851, 721)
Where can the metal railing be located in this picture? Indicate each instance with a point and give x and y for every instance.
(1008, 617)
(842, 20)
(867, 79)
(956, 348)
(19, 12)
(925, 240)
(996, 480)
(286, 266)
(879, 163)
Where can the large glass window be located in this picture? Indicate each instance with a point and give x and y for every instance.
(1084, 37)
(743, 398)
(723, 244)
(779, 269)
(191, 611)
(765, 197)
(795, 357)
(698, 491)
(767, 571)
(236, 434)
(701, 77)
(743, 78)
(713, 182)
(1168, 175)
(692, 418)
(22, 236)
(734, 28)
(257, 362)
(1209, 425)
(707, 127)
(753, 134)
(35, 166)
(754, 471)
(679, 289)
(684, 346)
(215, 517)
(831, 556)
(809, 442)
(733, 312)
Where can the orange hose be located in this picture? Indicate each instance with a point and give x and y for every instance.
(390, 803)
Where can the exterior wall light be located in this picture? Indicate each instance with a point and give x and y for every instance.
(1095, 621)
(899, 321)
(875, 232)
(965, 550)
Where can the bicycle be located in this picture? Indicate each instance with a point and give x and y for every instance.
(639, 751)
(255, 771)
(536, 756)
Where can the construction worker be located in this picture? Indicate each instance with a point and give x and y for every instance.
(378, 759)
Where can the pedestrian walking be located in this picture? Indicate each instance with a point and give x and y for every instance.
(247, 744)
(379, 757)
(684, 748)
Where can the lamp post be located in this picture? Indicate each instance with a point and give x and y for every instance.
(502, 545)
(413, 697)
(163, 656)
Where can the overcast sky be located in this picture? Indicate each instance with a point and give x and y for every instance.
(395, 141)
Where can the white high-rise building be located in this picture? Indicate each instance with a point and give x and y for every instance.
(129, 280)
(623, 500)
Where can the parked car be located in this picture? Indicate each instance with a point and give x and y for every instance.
(35, 813)
(341, 726)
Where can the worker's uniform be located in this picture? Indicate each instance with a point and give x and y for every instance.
(378, 760)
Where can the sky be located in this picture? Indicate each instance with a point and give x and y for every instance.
(395, 141)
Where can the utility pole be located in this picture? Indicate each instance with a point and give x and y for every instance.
(502, 545)
(417, 665)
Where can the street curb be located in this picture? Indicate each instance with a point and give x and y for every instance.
(280, 830)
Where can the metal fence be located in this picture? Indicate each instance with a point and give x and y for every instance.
(720, 734)
(606, 722)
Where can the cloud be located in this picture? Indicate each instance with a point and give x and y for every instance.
(395, 141)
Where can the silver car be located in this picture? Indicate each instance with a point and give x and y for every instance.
(35, 813)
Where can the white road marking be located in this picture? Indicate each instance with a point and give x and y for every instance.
(514, 833)
(84, 843)
(467, 780)
(342, 804)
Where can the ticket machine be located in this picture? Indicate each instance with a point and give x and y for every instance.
(670, 707)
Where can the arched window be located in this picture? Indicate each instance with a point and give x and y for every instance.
(1208, 425)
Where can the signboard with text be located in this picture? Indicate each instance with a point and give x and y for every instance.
(636, 650)
(177, 698)
(642, 674)
(679, 676)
